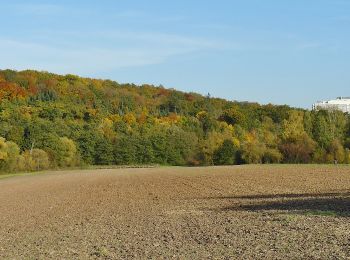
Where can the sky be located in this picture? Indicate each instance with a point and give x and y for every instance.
(292, 52)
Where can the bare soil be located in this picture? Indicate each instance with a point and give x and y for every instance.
(239, 212)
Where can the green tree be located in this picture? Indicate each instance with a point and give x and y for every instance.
(125, 150)
(225, 154)
(103, 152)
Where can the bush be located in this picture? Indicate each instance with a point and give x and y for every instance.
(299, 151)
(272, 156)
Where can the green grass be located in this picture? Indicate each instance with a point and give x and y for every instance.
(288, 218)
(84, 167)
(100, 252)
(9, 175)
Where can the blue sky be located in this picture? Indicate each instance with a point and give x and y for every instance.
(270, 51)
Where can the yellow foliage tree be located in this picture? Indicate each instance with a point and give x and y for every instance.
(9, 153)
(36, 160)
(70, 152)
(129, 118)
(106, 128)
(293, 128)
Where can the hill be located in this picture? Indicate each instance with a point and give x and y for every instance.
(53, 121)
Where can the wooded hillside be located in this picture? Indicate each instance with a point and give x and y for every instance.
(52, 121)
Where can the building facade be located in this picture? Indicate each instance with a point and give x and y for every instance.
(341, 103)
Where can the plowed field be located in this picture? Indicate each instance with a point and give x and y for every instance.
(244, 212)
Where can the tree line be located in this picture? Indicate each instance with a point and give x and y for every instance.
(55, 121)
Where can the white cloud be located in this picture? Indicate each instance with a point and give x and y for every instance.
(24, 55)
(80, 56)
(308, 45)
(37, 9)
(92, 50)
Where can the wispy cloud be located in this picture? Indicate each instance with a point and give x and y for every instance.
(144, 16)
(48, 9)
(143, 39)
(308, 45)
(97, 48)
(21, 55)
(341, 18)
(55, 10)
(37, 9)
(81, 56)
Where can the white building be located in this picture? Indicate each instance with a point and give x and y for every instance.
(341, 103)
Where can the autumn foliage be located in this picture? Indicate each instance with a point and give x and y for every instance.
(54, 121)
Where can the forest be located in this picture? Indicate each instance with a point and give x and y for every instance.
(50, 121)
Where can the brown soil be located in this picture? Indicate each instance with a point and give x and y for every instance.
(245, 212)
